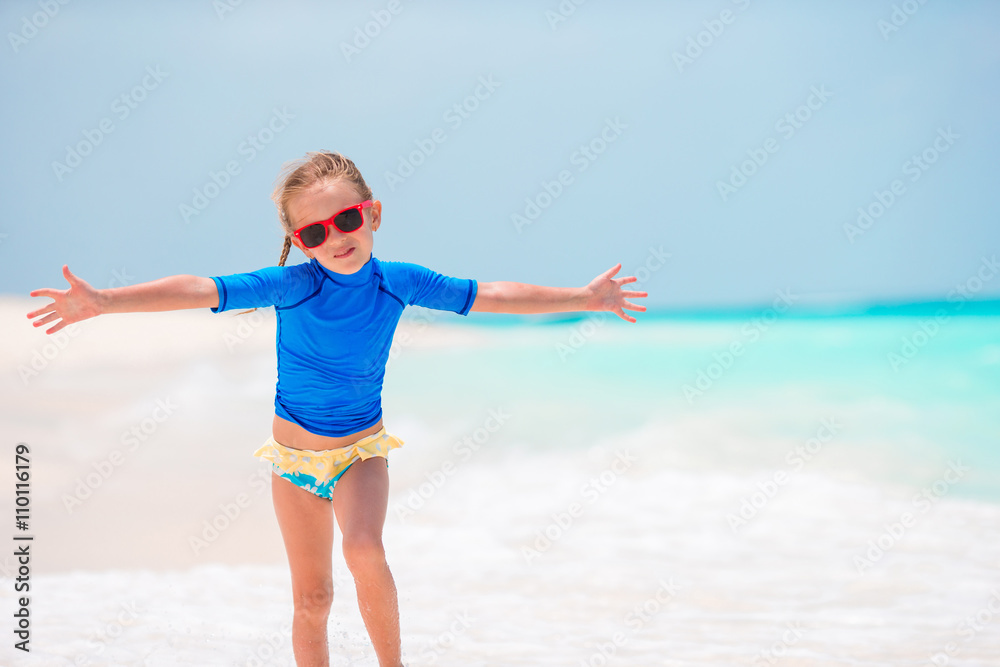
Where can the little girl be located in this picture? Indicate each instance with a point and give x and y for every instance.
(336, 315)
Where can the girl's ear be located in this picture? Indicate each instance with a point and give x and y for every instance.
(376, 214)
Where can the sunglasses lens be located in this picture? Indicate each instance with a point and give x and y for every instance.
(313, 235)
(349, 221)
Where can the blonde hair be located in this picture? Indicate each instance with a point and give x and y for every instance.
(316, 168)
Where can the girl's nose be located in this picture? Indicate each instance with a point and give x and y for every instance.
(332, 231)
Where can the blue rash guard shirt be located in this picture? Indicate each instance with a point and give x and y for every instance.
(334, 332)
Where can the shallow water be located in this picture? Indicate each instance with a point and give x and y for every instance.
(559, 500)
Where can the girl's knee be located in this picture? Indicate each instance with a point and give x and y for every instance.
(363, 553)
(315, 599)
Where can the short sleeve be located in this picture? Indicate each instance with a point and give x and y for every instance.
(431, 289)
(271, 286)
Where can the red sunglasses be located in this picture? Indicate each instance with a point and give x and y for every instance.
(349, 220)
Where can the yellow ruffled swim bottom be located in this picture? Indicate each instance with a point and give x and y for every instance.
(317, 471)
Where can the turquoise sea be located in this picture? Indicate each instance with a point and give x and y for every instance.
(910, 386)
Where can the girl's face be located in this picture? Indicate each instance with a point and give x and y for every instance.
(341, 253)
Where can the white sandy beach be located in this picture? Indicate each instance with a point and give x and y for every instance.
(579, 532)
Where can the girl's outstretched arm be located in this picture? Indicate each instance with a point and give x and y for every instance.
(603, 293)
(81, 301)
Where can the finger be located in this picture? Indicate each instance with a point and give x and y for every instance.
(613, 270)
(632, 306)
(626, 279)
(631, 294)
(625, 317)
(45, 320)
(41, 311)
(44, 291)
(56, 328)
(44, 309)
(68, 274)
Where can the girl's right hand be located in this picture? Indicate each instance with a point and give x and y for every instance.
(79, 302)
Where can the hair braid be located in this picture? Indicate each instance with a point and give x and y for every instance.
(284, 250)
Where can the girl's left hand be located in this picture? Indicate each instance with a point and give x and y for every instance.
(605, 293)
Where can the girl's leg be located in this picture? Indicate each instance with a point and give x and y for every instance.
(360, 500)
(306, 523)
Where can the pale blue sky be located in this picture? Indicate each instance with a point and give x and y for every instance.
(674, 131)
